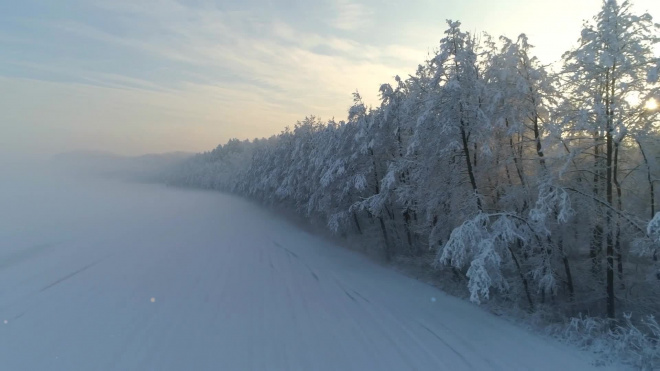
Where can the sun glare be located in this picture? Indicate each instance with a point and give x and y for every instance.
(651, 105)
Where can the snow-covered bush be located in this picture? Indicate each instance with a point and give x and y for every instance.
(629, 343)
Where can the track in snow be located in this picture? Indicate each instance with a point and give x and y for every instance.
(109, 276)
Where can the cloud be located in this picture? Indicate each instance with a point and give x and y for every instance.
(205, 75)
(260, 53)
(351, 15)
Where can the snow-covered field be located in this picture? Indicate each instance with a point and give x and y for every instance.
(98, 275)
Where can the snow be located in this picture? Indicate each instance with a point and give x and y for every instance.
(100, 275)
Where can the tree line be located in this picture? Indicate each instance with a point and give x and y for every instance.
(531, 183)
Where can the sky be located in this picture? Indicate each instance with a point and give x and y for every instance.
(151, 76)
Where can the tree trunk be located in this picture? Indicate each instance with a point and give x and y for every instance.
(567, 270)
(386, 240)
(609, 238)
(473, 181)
(388, 252)
(652, 194)
(648, 178)
(406, 224)
(597, 234)
(523, 279)
(357, 223)
(619, 206)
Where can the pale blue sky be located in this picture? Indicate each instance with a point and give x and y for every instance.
(134, 76)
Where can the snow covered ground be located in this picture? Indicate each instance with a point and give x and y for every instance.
(97, 275)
